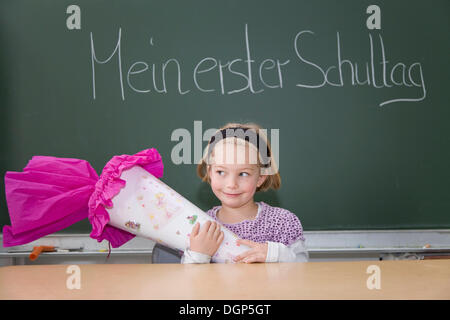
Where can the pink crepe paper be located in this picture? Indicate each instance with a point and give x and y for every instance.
(53, 193)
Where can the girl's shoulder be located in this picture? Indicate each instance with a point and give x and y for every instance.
(276, 213)
(212, 212)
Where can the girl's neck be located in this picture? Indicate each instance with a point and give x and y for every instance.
(231, 215)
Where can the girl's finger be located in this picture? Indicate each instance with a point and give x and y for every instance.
(220, 238)
(217, 232)
(248, 243)
(243, 255)
(206, 226)
(212, 229)
(253, 258)
(250, 259)
(195, 230)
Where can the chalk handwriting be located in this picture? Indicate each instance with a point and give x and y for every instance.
(378, 73)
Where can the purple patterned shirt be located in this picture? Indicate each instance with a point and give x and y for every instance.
(271, 224)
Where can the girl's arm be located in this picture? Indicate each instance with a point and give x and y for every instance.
(295, 252)
(190, 256)
(288, 243)
(273, 252)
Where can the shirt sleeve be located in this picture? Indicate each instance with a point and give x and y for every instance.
(286, 228)
(287, 243)
(279, 252)
(194, 257)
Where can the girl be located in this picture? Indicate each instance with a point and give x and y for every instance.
(237, 163)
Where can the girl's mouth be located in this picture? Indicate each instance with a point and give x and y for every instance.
(231, 194)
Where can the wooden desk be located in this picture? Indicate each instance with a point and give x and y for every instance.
(314, 280)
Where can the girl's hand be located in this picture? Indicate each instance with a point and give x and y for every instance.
(207, 239)
(257, 253)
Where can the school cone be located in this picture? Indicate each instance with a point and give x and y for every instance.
(125, 201)
(149, 208)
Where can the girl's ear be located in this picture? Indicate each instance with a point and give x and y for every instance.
(261, 180)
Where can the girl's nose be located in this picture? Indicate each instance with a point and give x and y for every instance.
(232, 182)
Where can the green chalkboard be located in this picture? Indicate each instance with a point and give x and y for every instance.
(357, 94)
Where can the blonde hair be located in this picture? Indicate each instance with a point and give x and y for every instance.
(273, 180)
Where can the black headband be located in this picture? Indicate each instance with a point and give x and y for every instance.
(247, 134)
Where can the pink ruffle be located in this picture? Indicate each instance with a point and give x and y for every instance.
(110, 185)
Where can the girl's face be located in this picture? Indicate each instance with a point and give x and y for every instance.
(234, 181)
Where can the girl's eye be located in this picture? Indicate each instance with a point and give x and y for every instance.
(245, 174)
(220, 172)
